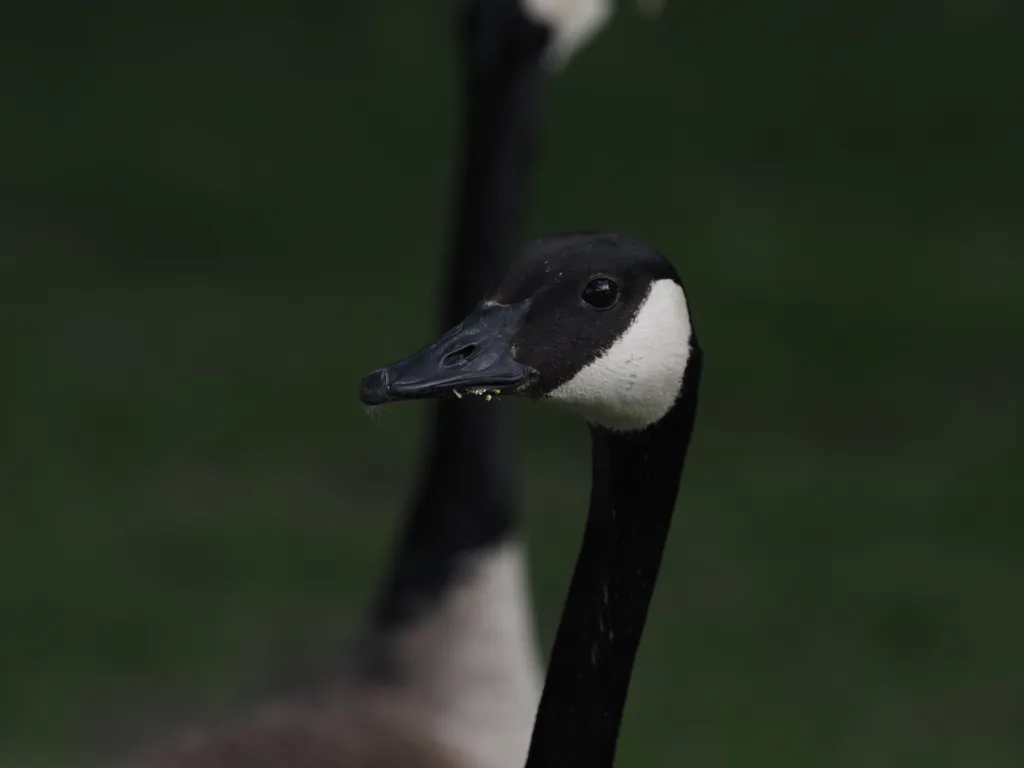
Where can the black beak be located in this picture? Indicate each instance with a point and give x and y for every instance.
(475, 356)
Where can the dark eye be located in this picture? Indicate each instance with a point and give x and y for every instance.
(601, 293)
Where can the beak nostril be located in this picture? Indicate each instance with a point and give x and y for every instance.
(459, 357)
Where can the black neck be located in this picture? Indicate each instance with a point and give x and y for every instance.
(467, 498)
(635, 482)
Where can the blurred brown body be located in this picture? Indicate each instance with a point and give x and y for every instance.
(366, 730)
(457, 686)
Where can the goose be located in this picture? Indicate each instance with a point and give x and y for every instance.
(598, 323)
(446, 673)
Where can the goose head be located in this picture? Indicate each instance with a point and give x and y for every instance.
(598, 323)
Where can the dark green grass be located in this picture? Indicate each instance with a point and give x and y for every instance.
(211, 229)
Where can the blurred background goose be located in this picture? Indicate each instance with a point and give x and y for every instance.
(447, 671)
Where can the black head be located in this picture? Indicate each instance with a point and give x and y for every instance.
(598, 322)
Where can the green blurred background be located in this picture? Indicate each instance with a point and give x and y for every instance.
(212, 222)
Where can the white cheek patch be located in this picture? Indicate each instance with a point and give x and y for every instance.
(573, 23)
(636, 382)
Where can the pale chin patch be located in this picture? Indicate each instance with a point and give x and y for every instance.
(637, 380)
(573, 23)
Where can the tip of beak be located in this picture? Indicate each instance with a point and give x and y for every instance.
(373, 390)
